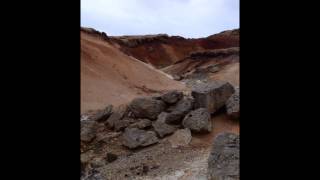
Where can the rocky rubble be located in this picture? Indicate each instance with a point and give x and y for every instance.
(146, 120)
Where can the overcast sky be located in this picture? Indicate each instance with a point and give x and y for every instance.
(187, 18)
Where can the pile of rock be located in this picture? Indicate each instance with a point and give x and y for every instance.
(147, 119)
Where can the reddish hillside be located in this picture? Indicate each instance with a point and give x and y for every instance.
(162, 50)
(108, 76)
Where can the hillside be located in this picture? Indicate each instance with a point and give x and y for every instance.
(162, 50)
(108, 76)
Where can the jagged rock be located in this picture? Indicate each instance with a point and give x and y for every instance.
(180, 138)
(146, 108)
(88, 130)
(134, 137)
(117, 115)
(223, 162)
(172, 97)
(233, 104)
(161, 127)
(103, 115)
(184, 106)
(212, 95)
(174, 117)
(141, 124)
(122, 124)
(198, 121)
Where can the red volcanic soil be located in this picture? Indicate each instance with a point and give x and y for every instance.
(163, 50)
(108, 76)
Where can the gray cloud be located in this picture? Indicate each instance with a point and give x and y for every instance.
(188, 18)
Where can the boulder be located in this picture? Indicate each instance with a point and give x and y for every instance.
(180, 138)
(178, 111)
(117, 115)
(212, 95)
(233, 105)
(88, 130)
(172, 97)
(134, 137)
(184, 106)
(141, 124)
(223, 162)
(148, 108)
(122, 124)
(161, 127)
(198, 121)
(103, 115)
(174, 117)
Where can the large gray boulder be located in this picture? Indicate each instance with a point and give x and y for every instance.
(134, 137)
(223, 162)
(212, 95)
(148, 108)
(161, 127)
(172, 97)
(198, 121)
(233, 104)
(117, 115)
